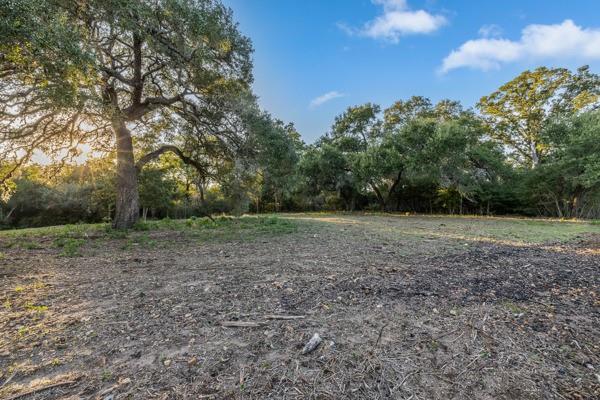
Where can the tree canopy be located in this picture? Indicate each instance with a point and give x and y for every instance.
(99, 72)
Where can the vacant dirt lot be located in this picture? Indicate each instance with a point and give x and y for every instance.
(408, 308)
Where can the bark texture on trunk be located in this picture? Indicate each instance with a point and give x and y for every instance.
(535, 158)
(127, 208)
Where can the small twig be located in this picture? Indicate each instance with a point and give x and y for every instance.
(285, 317)
(241, 324)
(8, 380)
(406, 378)
(467, 367)
(380, 333)
(483, 333)
(37, 390)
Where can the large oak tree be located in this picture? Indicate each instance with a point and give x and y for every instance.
(150, 76)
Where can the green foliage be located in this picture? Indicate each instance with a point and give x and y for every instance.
(568, 183)
(222, 227)
(519, 111)
(84, 73)
(70, 246)
(427, 158)
(157, 189)
(413, 156)
(28, 245)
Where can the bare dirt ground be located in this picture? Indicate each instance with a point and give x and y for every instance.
(408, 308)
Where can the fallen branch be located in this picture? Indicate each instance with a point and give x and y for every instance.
(40, 389)
(207, 215)
(256, 324)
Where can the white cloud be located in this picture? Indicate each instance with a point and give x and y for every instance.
(324, 98)
(559, 41)
(482, 54)
(396, 21)
(491, 30)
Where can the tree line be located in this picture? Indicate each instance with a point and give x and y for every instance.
(160, 92)
(530, 148)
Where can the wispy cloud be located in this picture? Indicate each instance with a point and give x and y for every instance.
(324, 98)
(397, 20)
(558, 41)
(491, 30)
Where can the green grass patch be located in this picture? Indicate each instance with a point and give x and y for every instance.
(71, 238)
(28, 245)
(70, 246)
(76, 230)
(221, 228)
(246, 228)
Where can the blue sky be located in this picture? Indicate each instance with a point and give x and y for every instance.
(314, 58)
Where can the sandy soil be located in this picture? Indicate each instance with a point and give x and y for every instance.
(436, 316)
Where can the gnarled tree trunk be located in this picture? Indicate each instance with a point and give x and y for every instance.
(127, 210)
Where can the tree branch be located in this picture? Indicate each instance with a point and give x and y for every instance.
(136, 111)
(169, 149)
(138, 82)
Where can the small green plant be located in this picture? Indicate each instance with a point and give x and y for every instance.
(116, 233)
(70, 246)
(434, 345)
(141, 226)
(38, 285)
(29, 245)
(192, 221)
(22, 331)
(145, 241)
(36, 308)
(515, 309)
(106, 375)
(127, 245)
(265, 365)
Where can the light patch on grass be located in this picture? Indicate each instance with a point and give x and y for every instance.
(510, 231)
